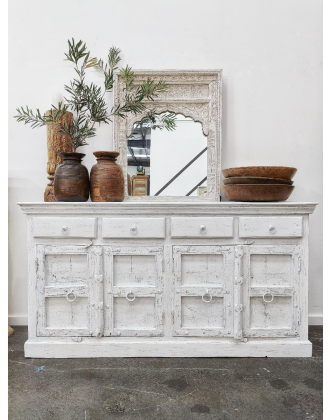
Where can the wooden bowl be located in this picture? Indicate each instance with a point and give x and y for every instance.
(257, 192)
(256, 180)
(263, 171)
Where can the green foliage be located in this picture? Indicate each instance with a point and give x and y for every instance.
(86, 101)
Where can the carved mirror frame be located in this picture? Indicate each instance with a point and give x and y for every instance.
(193, 93)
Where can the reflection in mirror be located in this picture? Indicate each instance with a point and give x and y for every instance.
(167, 157)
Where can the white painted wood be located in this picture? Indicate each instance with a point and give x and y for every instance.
(270, 227)
(69, 299)
(133, 228)
(238, 305)
(202, 227)
(271, 291)
(202, 276)
(134, 288)
(192, 93)
(174, 207)
(64, 227)
(114, 347)
(165, 278)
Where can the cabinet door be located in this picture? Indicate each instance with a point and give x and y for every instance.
(69, 290)
(271, 291)
(203, 277)
(134, 291)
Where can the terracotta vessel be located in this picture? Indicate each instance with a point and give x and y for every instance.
(256, 180)
(71, 180)
(285, 172)
(107, 178)
(257, 192)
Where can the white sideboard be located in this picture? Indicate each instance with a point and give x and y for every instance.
(166, 279)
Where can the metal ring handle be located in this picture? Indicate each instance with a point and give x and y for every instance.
(133, 229)
(65, 230)
(272, 229)
(130, 293)
(209, 294)
(268, 301)
(202, 228)
(71, 293)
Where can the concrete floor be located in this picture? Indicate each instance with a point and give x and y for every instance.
(164, 388)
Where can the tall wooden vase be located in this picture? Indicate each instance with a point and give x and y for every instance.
(56, 143)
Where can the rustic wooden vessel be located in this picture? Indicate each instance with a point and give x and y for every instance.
(263, 171)
(71, 181)
(56, 143)
(107, 178)
(257, 192)
(256, 180)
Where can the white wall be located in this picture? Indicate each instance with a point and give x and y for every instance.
(271, 55)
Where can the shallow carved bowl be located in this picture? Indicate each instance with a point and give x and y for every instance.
(257, 192)
(256, 180)
(263, 171)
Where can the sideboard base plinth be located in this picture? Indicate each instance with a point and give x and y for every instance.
(112, 347)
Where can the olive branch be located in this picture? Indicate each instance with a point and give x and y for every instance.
(86, 101)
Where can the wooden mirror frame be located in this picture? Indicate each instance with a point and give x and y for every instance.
(193, 93)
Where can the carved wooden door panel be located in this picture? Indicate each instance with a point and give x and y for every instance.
(69, 290)
(271, 291)
(134, 291)
(203, 278)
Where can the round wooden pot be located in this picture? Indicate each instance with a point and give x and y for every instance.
(71, 180)
(107, 178)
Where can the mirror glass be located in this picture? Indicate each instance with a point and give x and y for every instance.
(167, 156)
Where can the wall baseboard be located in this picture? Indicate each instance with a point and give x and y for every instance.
(17, 320)
(23, 320)
(315, 319)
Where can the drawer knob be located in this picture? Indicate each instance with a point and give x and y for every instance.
(130, 296)
(269, 294)
(208, 297)
(65, 230)
(70, 295)
(202, 228)
(272, 229)
(133, 229)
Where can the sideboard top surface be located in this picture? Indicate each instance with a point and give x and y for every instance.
(213, 208)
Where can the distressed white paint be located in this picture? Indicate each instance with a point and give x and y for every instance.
(192, 93)
(202, 287)
(134, 291)
(270, 227)
(143, 347)
(59, 227)
(133, 227)
(202, 227)
(281, 288)
(166, 296)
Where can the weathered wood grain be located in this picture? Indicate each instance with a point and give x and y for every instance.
(56, 143)
(202, 227)
(133, 227)
(64, 227)
(270, 227)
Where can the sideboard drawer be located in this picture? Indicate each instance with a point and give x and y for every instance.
(133, 227)
(270, 227)
(202, 227)
(64, 227)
